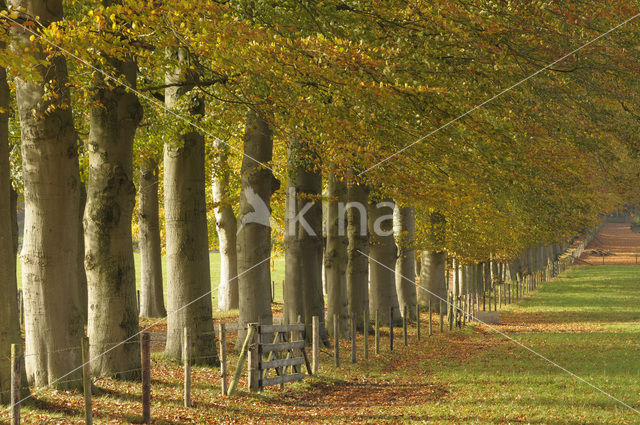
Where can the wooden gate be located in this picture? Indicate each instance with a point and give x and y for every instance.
(277, 355)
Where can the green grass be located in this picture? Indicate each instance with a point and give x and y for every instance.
(277, 274)
(587, 321)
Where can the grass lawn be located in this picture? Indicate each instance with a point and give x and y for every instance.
(277, 274)
(588, 321)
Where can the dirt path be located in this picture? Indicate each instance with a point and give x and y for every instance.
(617, 242)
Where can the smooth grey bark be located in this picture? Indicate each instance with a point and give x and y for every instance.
(253, 244)
(404, 232)
(432, 277)
(9, 320)
(109, 264)
(82, 273)
(479, 278)
(303, 239)
(149, 243)
(382, 262)
(515, 269)
(226, 227)
(51, 189)
(335, 258)
(357, 250)
(466, 275)
(187, 246)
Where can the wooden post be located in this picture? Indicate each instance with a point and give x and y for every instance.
(145, 352)
(243, 355)
(430, 319)
(253, 380)
(336, 340)
(405, 326)
(495, 298)
(376, 341)
(315, 344)
(441, 317)
(390, 328)
(222, 337)
(354, 327)
(418, 320)
(365, 314)
(451, 314)
(86, 381)
(16, 354)
(186, 363)
(21, 306)
(273, 291)
(463, 311)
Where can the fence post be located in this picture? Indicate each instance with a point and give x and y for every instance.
(390, 328)
(366, 333)
(441, 318)
(86, 381)
(315, 341)
(336, 340)
(354, 326)
(376, 341)
(21, 306)
(145, 352)
(186, 362)
(418, 320)
(222, 336)
(138, 298)
(16, 354)
(254, 359)
(405, 328)
(243, 354)
(430, 318)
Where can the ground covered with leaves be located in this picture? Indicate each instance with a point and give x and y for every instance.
(586, 321)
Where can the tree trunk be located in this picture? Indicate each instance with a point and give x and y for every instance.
(303, 239)
(149, 243)
(51, 188)
(382, 263)
(226, 227)
(9, 320)
(335, 260)
(258, 184)
(357, 251)
(433, 278)
(404, 230)
(188, 275)
(111, 277)
(82, 273)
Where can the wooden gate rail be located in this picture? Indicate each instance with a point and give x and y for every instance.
(280, 355)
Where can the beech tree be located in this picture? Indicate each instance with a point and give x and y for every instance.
(303, 238)
(109, 264)
(151, 288)
(357, 250)
(226, 226)
(188, 275)
(335, 256)
(9, 319)
(404, 232)
(254, 234)
(382, 262)
(52, 201)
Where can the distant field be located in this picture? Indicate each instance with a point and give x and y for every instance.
(277, 274)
